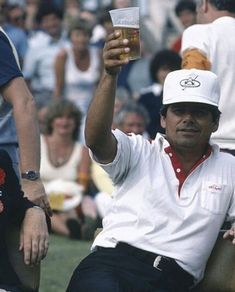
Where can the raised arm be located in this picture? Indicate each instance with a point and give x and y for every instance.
(98, 134)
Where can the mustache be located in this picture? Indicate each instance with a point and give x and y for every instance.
(188, 128)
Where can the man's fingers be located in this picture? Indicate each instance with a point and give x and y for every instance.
(115, 35)
(230, 234)
(44, 247)
(115, 53)
(35, 251)
(27, 251)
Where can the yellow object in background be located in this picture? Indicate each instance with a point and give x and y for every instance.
(56, 201)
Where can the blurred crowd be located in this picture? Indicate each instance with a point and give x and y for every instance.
(59, 43)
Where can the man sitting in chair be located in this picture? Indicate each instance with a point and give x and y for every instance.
(16, 209)
(171, 196)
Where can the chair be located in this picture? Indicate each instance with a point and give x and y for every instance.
(29, 276)
(220, 269)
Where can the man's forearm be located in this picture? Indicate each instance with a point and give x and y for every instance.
(24, 110)
(28, 135)
(99, 118)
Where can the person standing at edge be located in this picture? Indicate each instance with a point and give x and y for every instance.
(171, 196)
(210, 45)
(18, 124)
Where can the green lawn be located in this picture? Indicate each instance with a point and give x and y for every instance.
(63, 256)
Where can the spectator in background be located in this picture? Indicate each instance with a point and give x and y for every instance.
(16, 15)
(210, 45)
(161, 64)
(43, 47)
(186, 12)
(60, 172)
(132, 118)
(77, 68)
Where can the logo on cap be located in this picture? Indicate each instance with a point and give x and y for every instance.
(190, 82)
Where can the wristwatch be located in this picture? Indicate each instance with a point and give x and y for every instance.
(30, 175)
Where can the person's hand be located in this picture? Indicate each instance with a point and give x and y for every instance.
(113, 48)
(230, 234)
(34, 237)
(35, 192)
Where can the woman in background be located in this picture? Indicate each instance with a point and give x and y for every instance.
(77, 67)
(61, 157)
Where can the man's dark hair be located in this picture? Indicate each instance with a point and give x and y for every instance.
(185, 5)
(228, 5)
(213, 109)
(164, 59)
(46, 9)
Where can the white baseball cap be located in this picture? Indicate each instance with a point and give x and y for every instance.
(191, 85)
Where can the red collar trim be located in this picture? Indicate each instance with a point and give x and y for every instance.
(181, 176)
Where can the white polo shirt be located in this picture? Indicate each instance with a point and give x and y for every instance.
(217, 41)
(148, 210)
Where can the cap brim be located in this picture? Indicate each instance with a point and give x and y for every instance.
(193, 99)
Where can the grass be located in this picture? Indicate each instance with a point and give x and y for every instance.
(63, 256)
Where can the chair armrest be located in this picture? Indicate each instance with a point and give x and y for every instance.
(220, 269)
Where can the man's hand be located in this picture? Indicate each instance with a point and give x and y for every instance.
(34, 236)
(113, 48)
(230, 234)
(35, 192)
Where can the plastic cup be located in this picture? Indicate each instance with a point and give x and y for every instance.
(126, 20)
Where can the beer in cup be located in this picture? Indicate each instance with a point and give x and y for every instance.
(126, 21)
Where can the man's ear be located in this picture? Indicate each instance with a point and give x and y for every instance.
(163, 122)
(215, 126)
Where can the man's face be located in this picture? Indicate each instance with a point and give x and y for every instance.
(187, 18)
(51, 23)
(188, 125)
